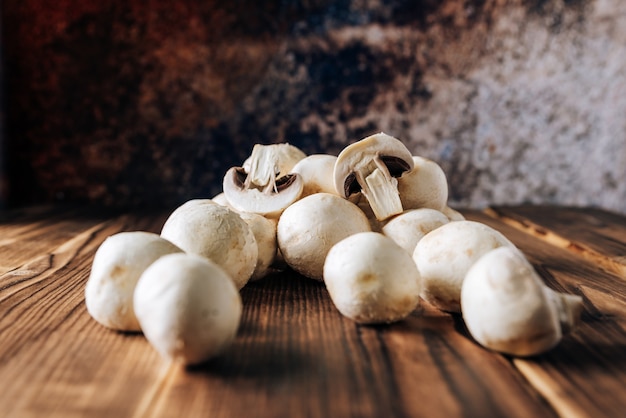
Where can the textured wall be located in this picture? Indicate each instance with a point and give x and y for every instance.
(146, 103)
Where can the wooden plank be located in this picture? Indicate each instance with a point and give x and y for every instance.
(59, 361)
(596, 235)
(27, 234)
(40, 230)
(584, 375)
(295, 355)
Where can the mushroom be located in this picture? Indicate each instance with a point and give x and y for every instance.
(188, 307)
(310, 227)
(203, 227)
(507, 308)
(407, 228)
(371, 279)
(452, 214)
(221, 199)
(264, 231)
(117, 265)
(317, 173)
(363, 204)
(370, 166)
(444, 255)
(264, 184)
(267, 163)
(425, 186)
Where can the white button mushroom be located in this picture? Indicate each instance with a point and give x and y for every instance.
(452, 214)
(363, 204)
(444, 255)
(310, 227)
(188, 307)
(407, 228)
(425, 186)
(371, 166)
(371, 279)
(317, 173)
(203, 227)
(265, 184)
(507, 308)
(117, 265)
(221, 199)
(264, 231)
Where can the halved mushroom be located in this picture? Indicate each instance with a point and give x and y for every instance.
(370, 166)
(267, 163)
(264, 184)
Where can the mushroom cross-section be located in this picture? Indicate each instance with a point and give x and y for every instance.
(264, 184)
(371, 166)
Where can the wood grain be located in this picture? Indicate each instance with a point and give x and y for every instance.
(580, 376)
(596, 235)
(294, 355)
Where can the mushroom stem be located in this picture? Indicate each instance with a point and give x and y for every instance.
(265, 184)
(268, 163)
(380, 189)
(567, 307)
(262, 171)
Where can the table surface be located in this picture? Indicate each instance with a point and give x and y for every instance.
(295, 355)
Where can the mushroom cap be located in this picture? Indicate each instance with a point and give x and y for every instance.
(264, 231)
(221, 199)
(452, 214)
(272, 203)
(317, 173)
(188, 307)
(310, 227)
(371, 279)
(216, 232)
(505, 306)
(359, 155)
(117, 265)
(425, 186)
(412, 225)
(444, 255)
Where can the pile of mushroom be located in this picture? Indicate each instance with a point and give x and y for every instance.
(373, 224)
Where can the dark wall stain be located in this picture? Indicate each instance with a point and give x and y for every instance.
(131, 104)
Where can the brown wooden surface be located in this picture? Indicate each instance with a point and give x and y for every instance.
(295, 355)
(596, 235)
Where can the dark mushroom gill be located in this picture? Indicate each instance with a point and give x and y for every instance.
(396, 166)
(282, 183)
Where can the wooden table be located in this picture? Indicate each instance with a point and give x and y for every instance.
(295, 355)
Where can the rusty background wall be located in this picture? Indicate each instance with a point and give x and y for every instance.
(147, 103)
